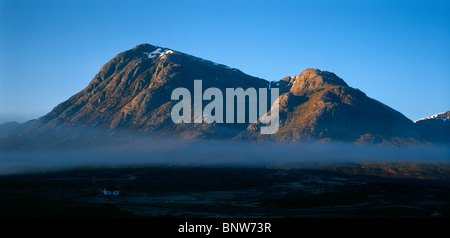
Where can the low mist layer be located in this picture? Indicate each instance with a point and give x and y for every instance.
(217, 153)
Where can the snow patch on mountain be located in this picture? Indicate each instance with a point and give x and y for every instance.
(159, 52)
(439, 116)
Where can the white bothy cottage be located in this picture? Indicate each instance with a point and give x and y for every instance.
(111, 191)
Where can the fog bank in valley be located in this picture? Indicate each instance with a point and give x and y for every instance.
(216, 153)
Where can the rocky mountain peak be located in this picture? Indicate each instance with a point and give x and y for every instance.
(144, 47)
(144, 51)
(313, 79)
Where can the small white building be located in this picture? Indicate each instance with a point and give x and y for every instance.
(110, 191)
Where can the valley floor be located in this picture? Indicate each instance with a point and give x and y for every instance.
(370, 190)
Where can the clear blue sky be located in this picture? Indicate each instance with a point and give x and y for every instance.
(397, 52)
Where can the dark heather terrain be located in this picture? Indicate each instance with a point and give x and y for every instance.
(369, 190)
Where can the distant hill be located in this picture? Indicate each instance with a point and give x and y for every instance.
(444, 116)
(435, 128)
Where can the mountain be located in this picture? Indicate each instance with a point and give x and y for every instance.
(131, 95)
(133, 91)
(435, 128)
(444, 116)
(8, 128)
(320, 105)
